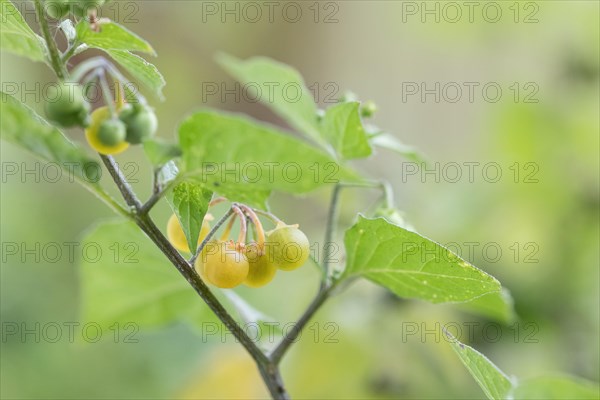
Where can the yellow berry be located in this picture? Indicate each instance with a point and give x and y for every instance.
(287, 247)
(222, 265)
(262, 270)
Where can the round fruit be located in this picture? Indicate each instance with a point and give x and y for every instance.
(111, 132)
(177, 237)
(66, 105)
(99, 118)
(287, 247)
(262, 270)
(140, 121)
(223, 265)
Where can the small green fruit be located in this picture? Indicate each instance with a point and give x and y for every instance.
(111, 132)
(66, 105)
(140, 121)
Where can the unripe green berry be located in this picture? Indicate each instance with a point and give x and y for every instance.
(66, 105)
(140, 121)
(111, 132)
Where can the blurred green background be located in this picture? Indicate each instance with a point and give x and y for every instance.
(550, 49)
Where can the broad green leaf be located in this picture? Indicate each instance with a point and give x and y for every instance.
(22, 126)
(145, 72)
(495, 384)
(159, 152)
(16, 36)
(111, 36)
(497, 305)
(411, 265)
(343, 129)
(126, 279)
(385, 140)
(556, 387)
(189, 202)
(280, 87)
(243, 159)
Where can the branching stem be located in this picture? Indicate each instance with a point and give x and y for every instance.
(268, 364)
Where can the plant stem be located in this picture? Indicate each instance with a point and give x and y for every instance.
(139, 214)
(330, 231)
(267, 368)
(69, 53)
(272, 377)
(122, 184)
(269, 215)
(55, 58)
(156, 194)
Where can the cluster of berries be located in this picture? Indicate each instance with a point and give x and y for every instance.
(226, 263)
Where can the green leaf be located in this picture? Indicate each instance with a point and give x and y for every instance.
(189, 202)
(111, 36)
(411, 265)
(556, 387)
(495, 384)
(17, 37)
(159, 152)
(243, 159)
(280, 87)
(497, 305)
(126, 279)
(22, 126)
(342, 127)
(385, 140)
(145, 72)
